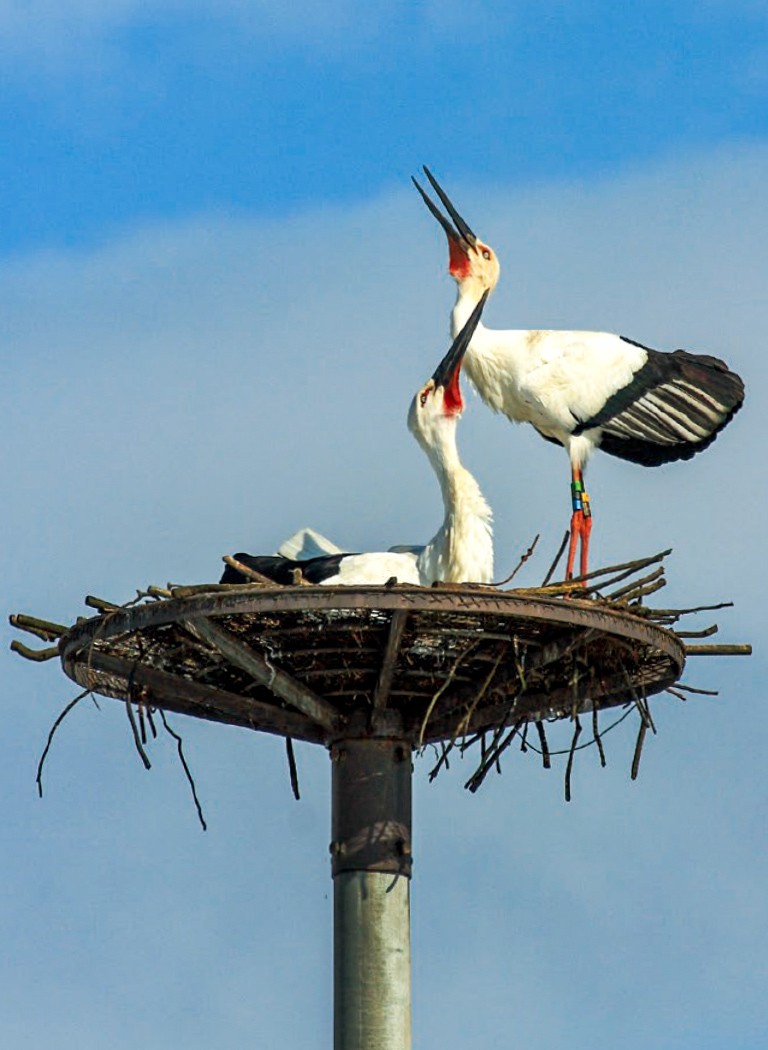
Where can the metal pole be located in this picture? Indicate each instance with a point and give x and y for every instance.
(371, 851)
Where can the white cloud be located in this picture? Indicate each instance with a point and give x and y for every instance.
(68, 32)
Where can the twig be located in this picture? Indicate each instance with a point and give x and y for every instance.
(638, 750)
(441, 690)
(596, 733)
(442, 761)
(627, 590)
(38, 655)
(558, 556)
(520, 564)
(54, 727)
(158, 592)
(691, 689)
(136, 738)
(544, 746)
(42, 628)
(588, 743)
(177, 738)
(187, 590)
(569, 767)
(677, 613)
(640, 563)
(706, 633)
(248, 572)
(292, 768)
(142, 724)
(464, 723)
(639, 593)
(718, 650)
(101, 604)
(492, 759)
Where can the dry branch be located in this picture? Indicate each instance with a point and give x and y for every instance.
(292, 769)
(638, 749)
(54, 727)
(519, 565)
(569, 766)
(718, 650)
(37, 655)
(248, 572)
(558, 556)
(41, 628)
(187, 771)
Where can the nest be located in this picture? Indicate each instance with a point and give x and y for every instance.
(452, 665)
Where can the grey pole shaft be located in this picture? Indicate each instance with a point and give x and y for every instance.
(371, 850)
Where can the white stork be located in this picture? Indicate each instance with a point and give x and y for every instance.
(585, 390)
(462, 548)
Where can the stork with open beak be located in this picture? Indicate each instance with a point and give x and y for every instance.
(584, 390)
(462, 548)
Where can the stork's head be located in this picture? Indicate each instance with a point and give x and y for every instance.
(470, 261)
(439, 404)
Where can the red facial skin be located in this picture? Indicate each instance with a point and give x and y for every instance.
(453, 403)
(458, 265)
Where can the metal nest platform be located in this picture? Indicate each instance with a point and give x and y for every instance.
(439, 665)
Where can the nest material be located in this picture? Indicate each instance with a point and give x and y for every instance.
(450, 665)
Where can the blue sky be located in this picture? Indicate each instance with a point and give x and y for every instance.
(218, 293)
(126, 112)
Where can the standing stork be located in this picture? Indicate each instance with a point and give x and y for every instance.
(584, 390)
(461, 550)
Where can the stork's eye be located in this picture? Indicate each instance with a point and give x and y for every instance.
(423, 397)
(486, 253)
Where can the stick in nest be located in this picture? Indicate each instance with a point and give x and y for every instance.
(569, 767)
(441, 690)
(520, 564)
(54, 727)
(292, 768)
(544, 745)
(556, 561)
(136, 737)
(638, 749)
(250, 574)
(177, 738)
(491, 759)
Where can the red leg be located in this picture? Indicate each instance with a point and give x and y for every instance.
(581, 523)
(577, 520)
(586, 530)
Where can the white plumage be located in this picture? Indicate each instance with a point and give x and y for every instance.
(462, 548)
(585, 390)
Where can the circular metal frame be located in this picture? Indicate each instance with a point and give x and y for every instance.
(421, 664)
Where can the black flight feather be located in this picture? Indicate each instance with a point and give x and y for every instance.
(280, 569)
(673, 407)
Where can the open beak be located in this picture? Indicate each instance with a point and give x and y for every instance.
(447, 372)
(459, 234)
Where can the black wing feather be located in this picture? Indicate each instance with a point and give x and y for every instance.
(280, 569)
(674, 407)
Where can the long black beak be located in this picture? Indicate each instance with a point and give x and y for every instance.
(450, 364)
(461, 233)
